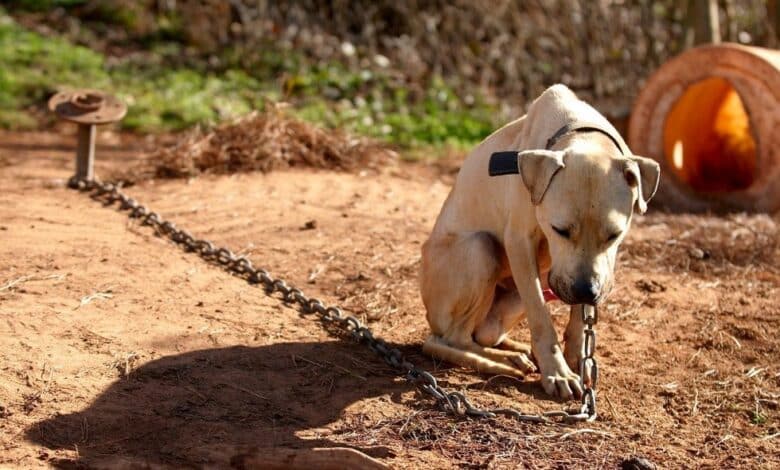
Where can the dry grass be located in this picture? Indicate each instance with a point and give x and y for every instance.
(719, 246)
(262, 142)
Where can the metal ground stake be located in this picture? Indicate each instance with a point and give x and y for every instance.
(88, 109)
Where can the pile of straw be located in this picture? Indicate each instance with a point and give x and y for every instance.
(263, 141)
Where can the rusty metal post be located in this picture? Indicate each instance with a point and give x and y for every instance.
(87, 108)
(85, 152)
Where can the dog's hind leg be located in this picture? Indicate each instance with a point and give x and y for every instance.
(493, 330)
(458, 281)
(517, 346)
(437, 347)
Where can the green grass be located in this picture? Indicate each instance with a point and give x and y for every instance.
(757, 418)
(31, 66)
(166, 98)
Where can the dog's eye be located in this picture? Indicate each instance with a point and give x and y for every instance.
(562, 231)
(613, 237)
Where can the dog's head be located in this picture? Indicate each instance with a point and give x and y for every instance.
(584, 197)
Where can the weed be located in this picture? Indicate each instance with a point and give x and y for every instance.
(758, 418)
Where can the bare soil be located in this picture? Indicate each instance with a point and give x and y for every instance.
(119, 349)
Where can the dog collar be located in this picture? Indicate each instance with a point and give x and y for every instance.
(582, 127)
(505, 163)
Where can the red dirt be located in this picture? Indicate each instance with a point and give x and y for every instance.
(117, 348)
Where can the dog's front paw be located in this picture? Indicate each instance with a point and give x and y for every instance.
(558, 379)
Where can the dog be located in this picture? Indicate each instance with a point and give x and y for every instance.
(544, 202)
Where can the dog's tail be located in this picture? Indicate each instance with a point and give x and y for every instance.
(437, 347)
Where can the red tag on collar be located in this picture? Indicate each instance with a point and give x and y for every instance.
(549, 295)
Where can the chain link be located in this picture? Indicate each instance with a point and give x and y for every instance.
(453, 402)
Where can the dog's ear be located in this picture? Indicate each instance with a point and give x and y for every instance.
(643, 174)
(537, 167)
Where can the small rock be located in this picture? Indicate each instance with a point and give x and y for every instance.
(310, 225)
(649, 285)
(697, 253)
(360, 276)
(637, 463)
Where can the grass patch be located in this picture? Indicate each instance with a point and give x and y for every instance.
(162, 97)
(31, 66)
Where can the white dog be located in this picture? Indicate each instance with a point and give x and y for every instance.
(555, 219)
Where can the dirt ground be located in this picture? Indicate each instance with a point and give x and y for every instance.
(119, 349)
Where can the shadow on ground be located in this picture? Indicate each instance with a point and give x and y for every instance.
(203, 406)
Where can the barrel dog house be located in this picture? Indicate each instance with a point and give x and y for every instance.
(710, 117)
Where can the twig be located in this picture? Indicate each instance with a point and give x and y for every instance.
(246, 390)
(31, 277)
(190, 389)
(97, 295)
(725, 438)
(353, 374)
(484, 384)
(698, 351)
(736, 341)
(406, 423)
(294, 357)
(585, 431)
(612, 407)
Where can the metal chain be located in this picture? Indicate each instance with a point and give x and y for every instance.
(588, 367)
(455, 402)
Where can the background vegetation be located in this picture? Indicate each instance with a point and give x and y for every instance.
(411, 72)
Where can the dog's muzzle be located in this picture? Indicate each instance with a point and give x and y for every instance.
(585, 292)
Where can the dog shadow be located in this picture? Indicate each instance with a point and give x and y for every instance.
(201, 407)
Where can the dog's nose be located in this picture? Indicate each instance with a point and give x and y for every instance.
(586, 291)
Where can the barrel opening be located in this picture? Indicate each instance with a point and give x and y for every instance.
(708, 140)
